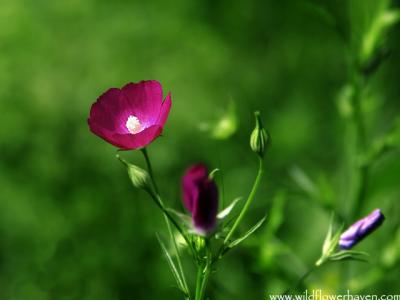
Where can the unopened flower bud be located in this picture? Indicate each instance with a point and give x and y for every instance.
(200, 197)
(259, 138)
(361, 229)
(140, 178)
(199, 243)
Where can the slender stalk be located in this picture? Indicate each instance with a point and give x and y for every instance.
(203, 275)
(248, 201)
(358, 119)
(206, 277)
(301, 279)
(222, 177)
(199, 281)
(150, 169)
(167, 221)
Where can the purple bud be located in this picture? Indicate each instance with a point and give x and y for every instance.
(200, 197)
(362, 228)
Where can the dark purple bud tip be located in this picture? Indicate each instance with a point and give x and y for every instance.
(200, 197)
(362, 228)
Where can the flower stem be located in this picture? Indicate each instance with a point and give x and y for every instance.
(150, 169)
(248, 202)
(203, 275)
(167, 218)
(204, 283)
(199, 280)
(358, 119)
(302, 278)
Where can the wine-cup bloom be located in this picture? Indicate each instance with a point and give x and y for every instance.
(130, 117)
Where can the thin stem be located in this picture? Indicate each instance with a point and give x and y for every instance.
(358, 119)
(248, 201)
(206, 277)
(168, 218)
(301, 279)
(203, 275)
(222, 177)
(150, 169)
(199, 280)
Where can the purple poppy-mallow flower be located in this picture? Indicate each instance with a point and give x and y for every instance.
(130, 117)
(362, 228)
(200, 197)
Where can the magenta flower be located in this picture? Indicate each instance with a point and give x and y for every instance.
(130, 117)
(362, 228)
(200, 197)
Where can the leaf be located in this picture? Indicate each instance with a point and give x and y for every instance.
(247, 234)
(172, 266)
(349, 255)
(326, 245)
(185, 219)
(227, 210)
(212, 173)
(373, 37)
(335, 241)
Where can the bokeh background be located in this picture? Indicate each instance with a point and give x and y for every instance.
(71, 224)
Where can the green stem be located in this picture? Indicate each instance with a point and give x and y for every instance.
(204, 283)
(168, 218)
(302, 278)
(150, 169)
(248, 202)
(358, 119)
(199, 280)
(203, 275)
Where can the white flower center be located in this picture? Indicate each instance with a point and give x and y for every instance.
(133, 124)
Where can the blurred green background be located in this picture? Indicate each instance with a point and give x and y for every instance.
(71, 224)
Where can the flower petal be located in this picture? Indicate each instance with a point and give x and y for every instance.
(104, 110)
(111, 111)
(144, 100)
(190, 184)
(164, 112)
(138, 140)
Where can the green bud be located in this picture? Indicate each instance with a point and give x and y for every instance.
(199, 244)
(140, 178)
(259, 138)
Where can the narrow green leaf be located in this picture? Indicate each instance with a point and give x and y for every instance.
(335, 241)
(172, 266)
(227, 210)
(247, 234)
(212, 173)
(328, 238)
(348, 257)
(184, 219)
